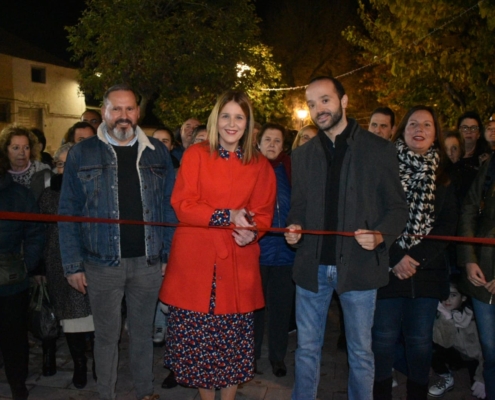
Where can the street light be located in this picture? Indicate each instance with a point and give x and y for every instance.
(302, 114)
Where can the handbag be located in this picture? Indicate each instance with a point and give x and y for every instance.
(42, 321)
(12, 269)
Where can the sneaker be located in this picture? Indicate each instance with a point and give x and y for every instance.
(445, 384)
(159, 335)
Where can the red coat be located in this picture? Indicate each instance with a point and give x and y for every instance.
(205, 183)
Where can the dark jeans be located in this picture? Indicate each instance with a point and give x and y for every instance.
(485, 319)
(415, 318)
(446, 359)
(278, 289)
(14, 339)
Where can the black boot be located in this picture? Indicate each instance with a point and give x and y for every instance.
(49, 347)
(19, 392)
(416, 391)
(93, 367)
(382, 390)
(77, 348)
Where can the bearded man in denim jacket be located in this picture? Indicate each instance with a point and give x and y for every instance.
(118, 174)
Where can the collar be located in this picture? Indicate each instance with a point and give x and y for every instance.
(226, 154)
(140, 137)
(343, 136)
(21, 172)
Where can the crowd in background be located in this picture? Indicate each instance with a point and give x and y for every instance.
(432, 303)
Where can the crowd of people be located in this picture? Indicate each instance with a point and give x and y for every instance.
(200, 268)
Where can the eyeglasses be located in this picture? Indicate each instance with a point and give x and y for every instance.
(60, 164)
(472, 128)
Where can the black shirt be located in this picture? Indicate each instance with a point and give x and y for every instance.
(130, 203)
(335, 153)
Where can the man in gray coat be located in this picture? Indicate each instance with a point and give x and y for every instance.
(345, 179)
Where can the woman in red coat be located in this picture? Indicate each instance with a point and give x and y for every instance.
(212, 282)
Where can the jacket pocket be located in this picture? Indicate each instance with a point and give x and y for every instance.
(91, 183)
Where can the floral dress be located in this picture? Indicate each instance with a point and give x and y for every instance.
(206, 350)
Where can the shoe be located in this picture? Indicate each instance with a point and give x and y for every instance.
(151, 397)
(49, 347)
(445, 384)
(278, 368)
(159, 335)
(169, 382)
(19, 392)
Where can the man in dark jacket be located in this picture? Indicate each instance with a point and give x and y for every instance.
(344, 179)
(121, 174)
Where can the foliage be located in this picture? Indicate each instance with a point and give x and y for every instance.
(307, 41)
(180, 54)
(431, 52)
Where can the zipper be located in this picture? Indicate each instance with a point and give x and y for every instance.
(413, 289)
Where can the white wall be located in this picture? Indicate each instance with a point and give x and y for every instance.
(59, 97)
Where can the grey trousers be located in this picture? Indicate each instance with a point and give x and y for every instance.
(106, 287)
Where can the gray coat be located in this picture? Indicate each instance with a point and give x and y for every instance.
(370, 195)
(474, 224)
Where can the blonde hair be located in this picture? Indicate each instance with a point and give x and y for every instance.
(297, 140)
(247, 139)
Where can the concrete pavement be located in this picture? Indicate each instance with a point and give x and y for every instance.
(333, 384)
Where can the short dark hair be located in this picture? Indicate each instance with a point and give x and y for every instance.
(272, 125)
(115, 88)
(338, 85)
(471, 115)
(69, 135)
(92, 111)
(198, 129)
(41, 137)
(385, 111)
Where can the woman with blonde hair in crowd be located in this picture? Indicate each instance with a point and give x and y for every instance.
(213, 290)
(306, 133)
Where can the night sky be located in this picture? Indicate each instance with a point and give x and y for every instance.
(42, 22)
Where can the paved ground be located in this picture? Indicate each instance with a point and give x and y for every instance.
(333, 385)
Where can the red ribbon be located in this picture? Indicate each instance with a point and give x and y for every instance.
(18, 216)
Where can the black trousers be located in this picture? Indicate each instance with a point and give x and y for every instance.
(14, 338)
(444, 360)
(278, 289)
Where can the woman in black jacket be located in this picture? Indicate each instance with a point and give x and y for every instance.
(20, 241)
(418, 269)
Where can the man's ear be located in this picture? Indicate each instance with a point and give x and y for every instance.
(344, 101)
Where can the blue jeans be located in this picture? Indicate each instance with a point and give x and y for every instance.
(485, 319)
(311, 316)
(160, 317)
(413, 318)
(106, 287)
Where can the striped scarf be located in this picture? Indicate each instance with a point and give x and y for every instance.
(417, 175)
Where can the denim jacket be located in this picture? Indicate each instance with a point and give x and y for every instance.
(89, 189)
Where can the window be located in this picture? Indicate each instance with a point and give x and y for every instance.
(4, 112)
(38, 74)
(30, 117)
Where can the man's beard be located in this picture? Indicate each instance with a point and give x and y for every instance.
(123, 134)
(335, 118)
